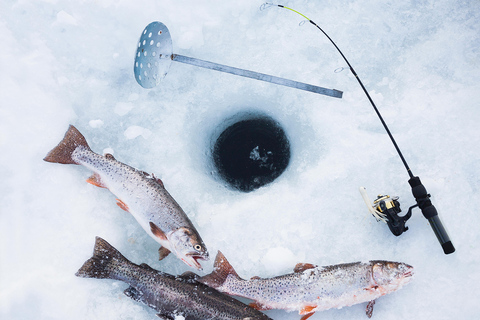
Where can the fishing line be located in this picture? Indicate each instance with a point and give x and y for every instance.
(395, 222)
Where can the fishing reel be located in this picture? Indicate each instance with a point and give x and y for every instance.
(387, 209)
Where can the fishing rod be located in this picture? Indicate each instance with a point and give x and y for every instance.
(386, 208)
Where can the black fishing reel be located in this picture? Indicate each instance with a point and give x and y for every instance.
(389, 208)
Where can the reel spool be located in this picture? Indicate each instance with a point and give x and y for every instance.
(387, 209)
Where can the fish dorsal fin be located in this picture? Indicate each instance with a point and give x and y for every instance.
(300, 267)
(96, 180)
(221, 270)
(147, 267)
(189, 276)
(157, 232)
(255, 278)
(122, 205)
(160, 182)
(109, 156)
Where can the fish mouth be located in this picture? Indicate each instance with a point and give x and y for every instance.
(409, 272)
(193, 260)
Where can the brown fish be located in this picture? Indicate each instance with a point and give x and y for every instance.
(170, 296)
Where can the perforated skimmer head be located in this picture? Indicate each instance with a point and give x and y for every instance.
(154, 55)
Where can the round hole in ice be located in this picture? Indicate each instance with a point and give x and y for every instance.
(151, 42)
(158, 44)
(150, 35)
(251, 153)
(154, 53)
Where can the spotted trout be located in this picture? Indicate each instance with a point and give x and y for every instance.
(170, 296)
(311, 288)
(140, 193)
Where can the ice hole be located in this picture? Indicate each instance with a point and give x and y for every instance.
(251, 153)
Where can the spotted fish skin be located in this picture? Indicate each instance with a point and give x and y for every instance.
(141, 194)
(169, 295)
(311, 288)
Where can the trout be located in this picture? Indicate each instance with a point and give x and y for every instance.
(311, 288)
(169, 295)
(140, 193)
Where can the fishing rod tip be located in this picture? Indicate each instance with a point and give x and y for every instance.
(266, 5)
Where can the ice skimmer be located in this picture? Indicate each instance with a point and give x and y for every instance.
(154, 56)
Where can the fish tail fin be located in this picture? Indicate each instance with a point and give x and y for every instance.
(221, 270)
(62, 153)
(104, 262)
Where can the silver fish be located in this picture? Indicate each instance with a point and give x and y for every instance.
(141, 194)
(311, 288)
(170, 296)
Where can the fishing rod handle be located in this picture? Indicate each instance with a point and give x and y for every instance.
(430, 213)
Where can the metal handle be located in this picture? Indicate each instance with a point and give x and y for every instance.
(258, 76)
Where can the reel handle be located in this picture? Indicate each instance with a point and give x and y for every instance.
(431, 214)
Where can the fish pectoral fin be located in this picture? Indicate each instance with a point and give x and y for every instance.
(157, 232)
(369, 309)
(96, 180)
(308, 315)
(307, 310)
(163, 253)
(300, 267)
(122, 205)
(259, 306)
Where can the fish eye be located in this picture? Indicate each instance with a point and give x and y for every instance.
(197, 247)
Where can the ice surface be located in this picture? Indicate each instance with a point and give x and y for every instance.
(71, 62)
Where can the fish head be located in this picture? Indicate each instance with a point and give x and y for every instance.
(391, 275)
(188, 246)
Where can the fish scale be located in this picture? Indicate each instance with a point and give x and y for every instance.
(170, 296)
(139, 193)
(311, 288)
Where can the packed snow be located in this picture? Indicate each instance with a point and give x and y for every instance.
(71, 62)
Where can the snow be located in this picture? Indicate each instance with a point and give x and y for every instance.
(65, 62)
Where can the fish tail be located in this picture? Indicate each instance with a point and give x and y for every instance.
(221, 270)
(104, 262)
(62, 153)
